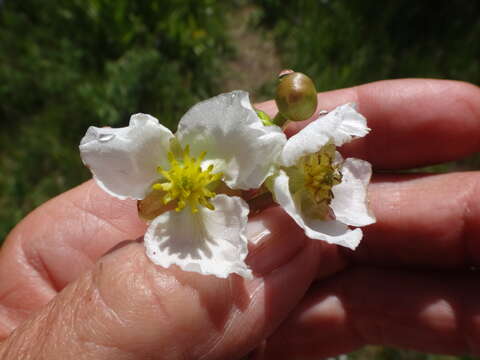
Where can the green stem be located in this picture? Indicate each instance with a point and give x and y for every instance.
(279, 120)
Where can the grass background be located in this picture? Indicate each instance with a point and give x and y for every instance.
(67, 65)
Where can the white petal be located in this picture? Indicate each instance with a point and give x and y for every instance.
(123, 161)
(339, 126)
(234, 138)
(208, 242)
(349, 201)
(331, 231)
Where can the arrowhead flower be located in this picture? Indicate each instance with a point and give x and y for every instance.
(323, 193)
(221, 145)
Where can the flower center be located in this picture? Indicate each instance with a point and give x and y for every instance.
(186, 182)
(320, 174)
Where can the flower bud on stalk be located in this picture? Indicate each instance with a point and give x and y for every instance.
(296, 97)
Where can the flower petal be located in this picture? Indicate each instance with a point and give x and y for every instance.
(339, 126)
(349, 201)
(331, 231)
(207, 242)
(234, 138)
(123, 161)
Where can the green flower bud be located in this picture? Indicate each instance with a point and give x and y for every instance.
(296, 96)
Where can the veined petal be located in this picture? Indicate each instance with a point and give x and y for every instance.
(331, 231)
(339, 126)
(349, 202)
(123, 161)
(207, 242)
(228, 129)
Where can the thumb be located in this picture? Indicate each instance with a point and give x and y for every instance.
(128, 308)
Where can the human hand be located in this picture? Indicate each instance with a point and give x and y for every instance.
(411, 283)
(122, 306)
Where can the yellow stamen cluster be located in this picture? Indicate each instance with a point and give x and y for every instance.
(321, 174)
(186, 182)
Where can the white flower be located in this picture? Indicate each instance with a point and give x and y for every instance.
(323, 193)
(220, 140)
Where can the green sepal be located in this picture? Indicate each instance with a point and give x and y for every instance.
(266, 120)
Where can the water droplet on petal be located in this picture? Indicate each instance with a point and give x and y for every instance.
(105, 137)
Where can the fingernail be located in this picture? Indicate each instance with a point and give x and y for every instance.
(257, 231)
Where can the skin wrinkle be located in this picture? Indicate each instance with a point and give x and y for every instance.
(235, 313)
(157, 283)
(368, 149)
(8, 325)
(451, 236)
(462, 98)
(52, 319)
(328, 268)
(165, 317)
(36, 251)
(56, 319)
(235, 284)
(70, 271)
(94, 293)
(96, 290)
(217, 341)
(158, 299)
(22, 260)
(89, 199)
(96, 195)
(40, 266)
(466, 233)
(98, 217)
(43, 283)
(35, 262)
(98, 350)
(124, 208)
(474, 109)
(364, 252)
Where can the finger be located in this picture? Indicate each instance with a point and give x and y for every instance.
(80, 224)
(35, 266)
(414, 122)
(423, 221)
(128, 308)
(430, 312)
(55, 244)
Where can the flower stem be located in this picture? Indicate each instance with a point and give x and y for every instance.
(279, 120)
(260, 201)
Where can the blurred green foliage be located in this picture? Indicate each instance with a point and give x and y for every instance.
(67, 65)
(342, 43)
